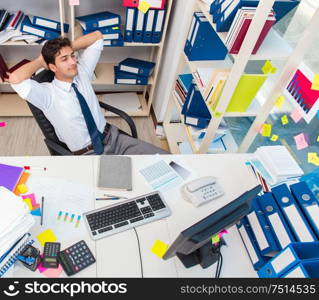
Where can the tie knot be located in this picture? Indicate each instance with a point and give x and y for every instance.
(73, 85)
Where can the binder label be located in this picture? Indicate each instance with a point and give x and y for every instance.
(282, 260)
(296, 273)
(46, 23)
(191, 29)
(113, 36)
(258, 231)
(195, 33)
(150, 20)
(192, 121)
(105, 23)
(140, 19)
(159, 21)
(248, 245)
(230, 9)
(128, 81)
(313, 211)
(129, 69)
(34, 30)
(280, 231)
(129, 21)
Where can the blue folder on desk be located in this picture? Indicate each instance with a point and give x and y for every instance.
(251, 244)
(288, 258)
(293, 214)
(158, 25)
(98, 20)
(139, 25)
(129, 24)
(275, 218)
(128, 78)
(307, 269)
(137, 66)
(148, 26)
(308, 204)
(49, 23)
(28, 27)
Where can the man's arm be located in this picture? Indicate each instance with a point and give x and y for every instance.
(87, 40)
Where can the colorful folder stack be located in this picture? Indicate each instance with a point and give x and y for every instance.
(144, 26)
(107, 23)
(133, 71)
(285, 218)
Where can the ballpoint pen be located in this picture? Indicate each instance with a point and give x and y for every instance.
(115, 196)
(110, 198)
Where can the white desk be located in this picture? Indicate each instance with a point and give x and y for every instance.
(117, 255)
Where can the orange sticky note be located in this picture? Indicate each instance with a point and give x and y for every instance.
(284, 120)
(296, 115)
(144, 6)
(23, 179)
(315, 83)
(274, 138)
(159, 248)
(301, 141)
(266, 130)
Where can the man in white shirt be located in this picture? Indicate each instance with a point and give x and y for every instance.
(69, 101)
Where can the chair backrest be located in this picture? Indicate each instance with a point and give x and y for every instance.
(44, 124)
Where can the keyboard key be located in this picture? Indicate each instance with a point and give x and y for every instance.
(137, 219)
(121, 224)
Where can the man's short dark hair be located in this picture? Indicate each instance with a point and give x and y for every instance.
(52, 47)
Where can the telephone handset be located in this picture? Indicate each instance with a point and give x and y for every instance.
(202, 190)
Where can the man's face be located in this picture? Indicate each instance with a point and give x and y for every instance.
(65, 64)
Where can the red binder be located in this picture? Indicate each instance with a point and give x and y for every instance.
(4, 68)
(155, 4)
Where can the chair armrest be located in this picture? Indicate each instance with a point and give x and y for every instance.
(123, 115)
(56, 149)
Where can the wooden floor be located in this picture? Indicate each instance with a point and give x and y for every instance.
(22, 136)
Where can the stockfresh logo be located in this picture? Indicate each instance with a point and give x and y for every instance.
(12, 290)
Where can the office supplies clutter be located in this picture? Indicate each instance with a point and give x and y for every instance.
(275, 164)
(115, 172)
(201, 190)
(76, 258)
(30, 257)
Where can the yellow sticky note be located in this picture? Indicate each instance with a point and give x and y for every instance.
(22, 188)
(215, 239)
(318, 138)
(217, 114)
(267, 67)
(284, 120)
(46, 236)
(312, 157)
(274, 138)
(28, 202)
(266, 130)
(144, 6)
(159, 248)
(279, 101)
(315, 83)
(273, 70)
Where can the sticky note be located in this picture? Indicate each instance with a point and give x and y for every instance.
(28, 202)
(296, 115)
(318, 138)
(144, 6)
(22, 188)
(40, 267)
(46, 236)
(224, 231)
(274, 138)
(312, 157)
(32, 197)
(23, 179)
(301, 141)
(279, 101)
(315, 83)
(53, 273)
(217, 114)
(159, 248)
(267, 67)
(74, 2)
(36, 212)
(266, 130)
(2, 124)
(284, 120)
(215, 239)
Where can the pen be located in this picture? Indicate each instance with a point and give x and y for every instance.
(110, 198)
(116, 196)
(42, 210)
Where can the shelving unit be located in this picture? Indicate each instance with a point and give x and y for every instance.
(104, 82)
(274, 47)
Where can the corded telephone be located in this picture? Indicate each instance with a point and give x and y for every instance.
(202, 190)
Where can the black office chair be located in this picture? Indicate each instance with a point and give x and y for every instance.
(55, 146)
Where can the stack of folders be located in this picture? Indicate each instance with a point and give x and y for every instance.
(202, 42)
(224, 11)
(277, 221)
(133, 71)
(182, 86)
(240, 26)
(275, 164)
(10, 25)
(107, 23)
(15, 222)
(143, 27)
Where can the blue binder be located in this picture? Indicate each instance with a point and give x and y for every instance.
(265, 236)
(220, 9)
(114, 43)
(205, 43)
(128, 78)
(139, 25)
(105, 30)
(129, 24)
(251, 244)
(98, 20)
(275, 218)
(307, 269)
(158, 26)
(148, 26)
(226, 17)
(192, 31)
(214, 5)
(293, 214)
(288, 258)
(308, 204)
(137, 66)
(49, 23)
(47, 34)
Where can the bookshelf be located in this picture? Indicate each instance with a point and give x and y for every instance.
(273, 48)
(104, 82)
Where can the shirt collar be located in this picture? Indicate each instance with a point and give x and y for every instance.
(63, 84)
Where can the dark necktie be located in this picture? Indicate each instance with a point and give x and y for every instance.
(96, 136)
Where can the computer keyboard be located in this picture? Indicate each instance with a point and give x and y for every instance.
(127, 214)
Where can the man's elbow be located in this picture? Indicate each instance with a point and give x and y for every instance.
(99, 35)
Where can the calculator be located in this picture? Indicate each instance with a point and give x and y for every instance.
(76, 258)
(50, 255)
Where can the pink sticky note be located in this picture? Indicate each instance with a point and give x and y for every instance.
(2, 124)
(224, 231)
(301, 141)
(296, 115)
(40, 267)
(32, 197)
(53, 273)
(74, 2)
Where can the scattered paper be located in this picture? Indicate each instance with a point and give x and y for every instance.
(315, 83)
(301, 141)
(159, 248)
(296, 115)
(46, 236)
(266, 130)
(284, 120)
(279, 101)
(144, 6)
(274, 138)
